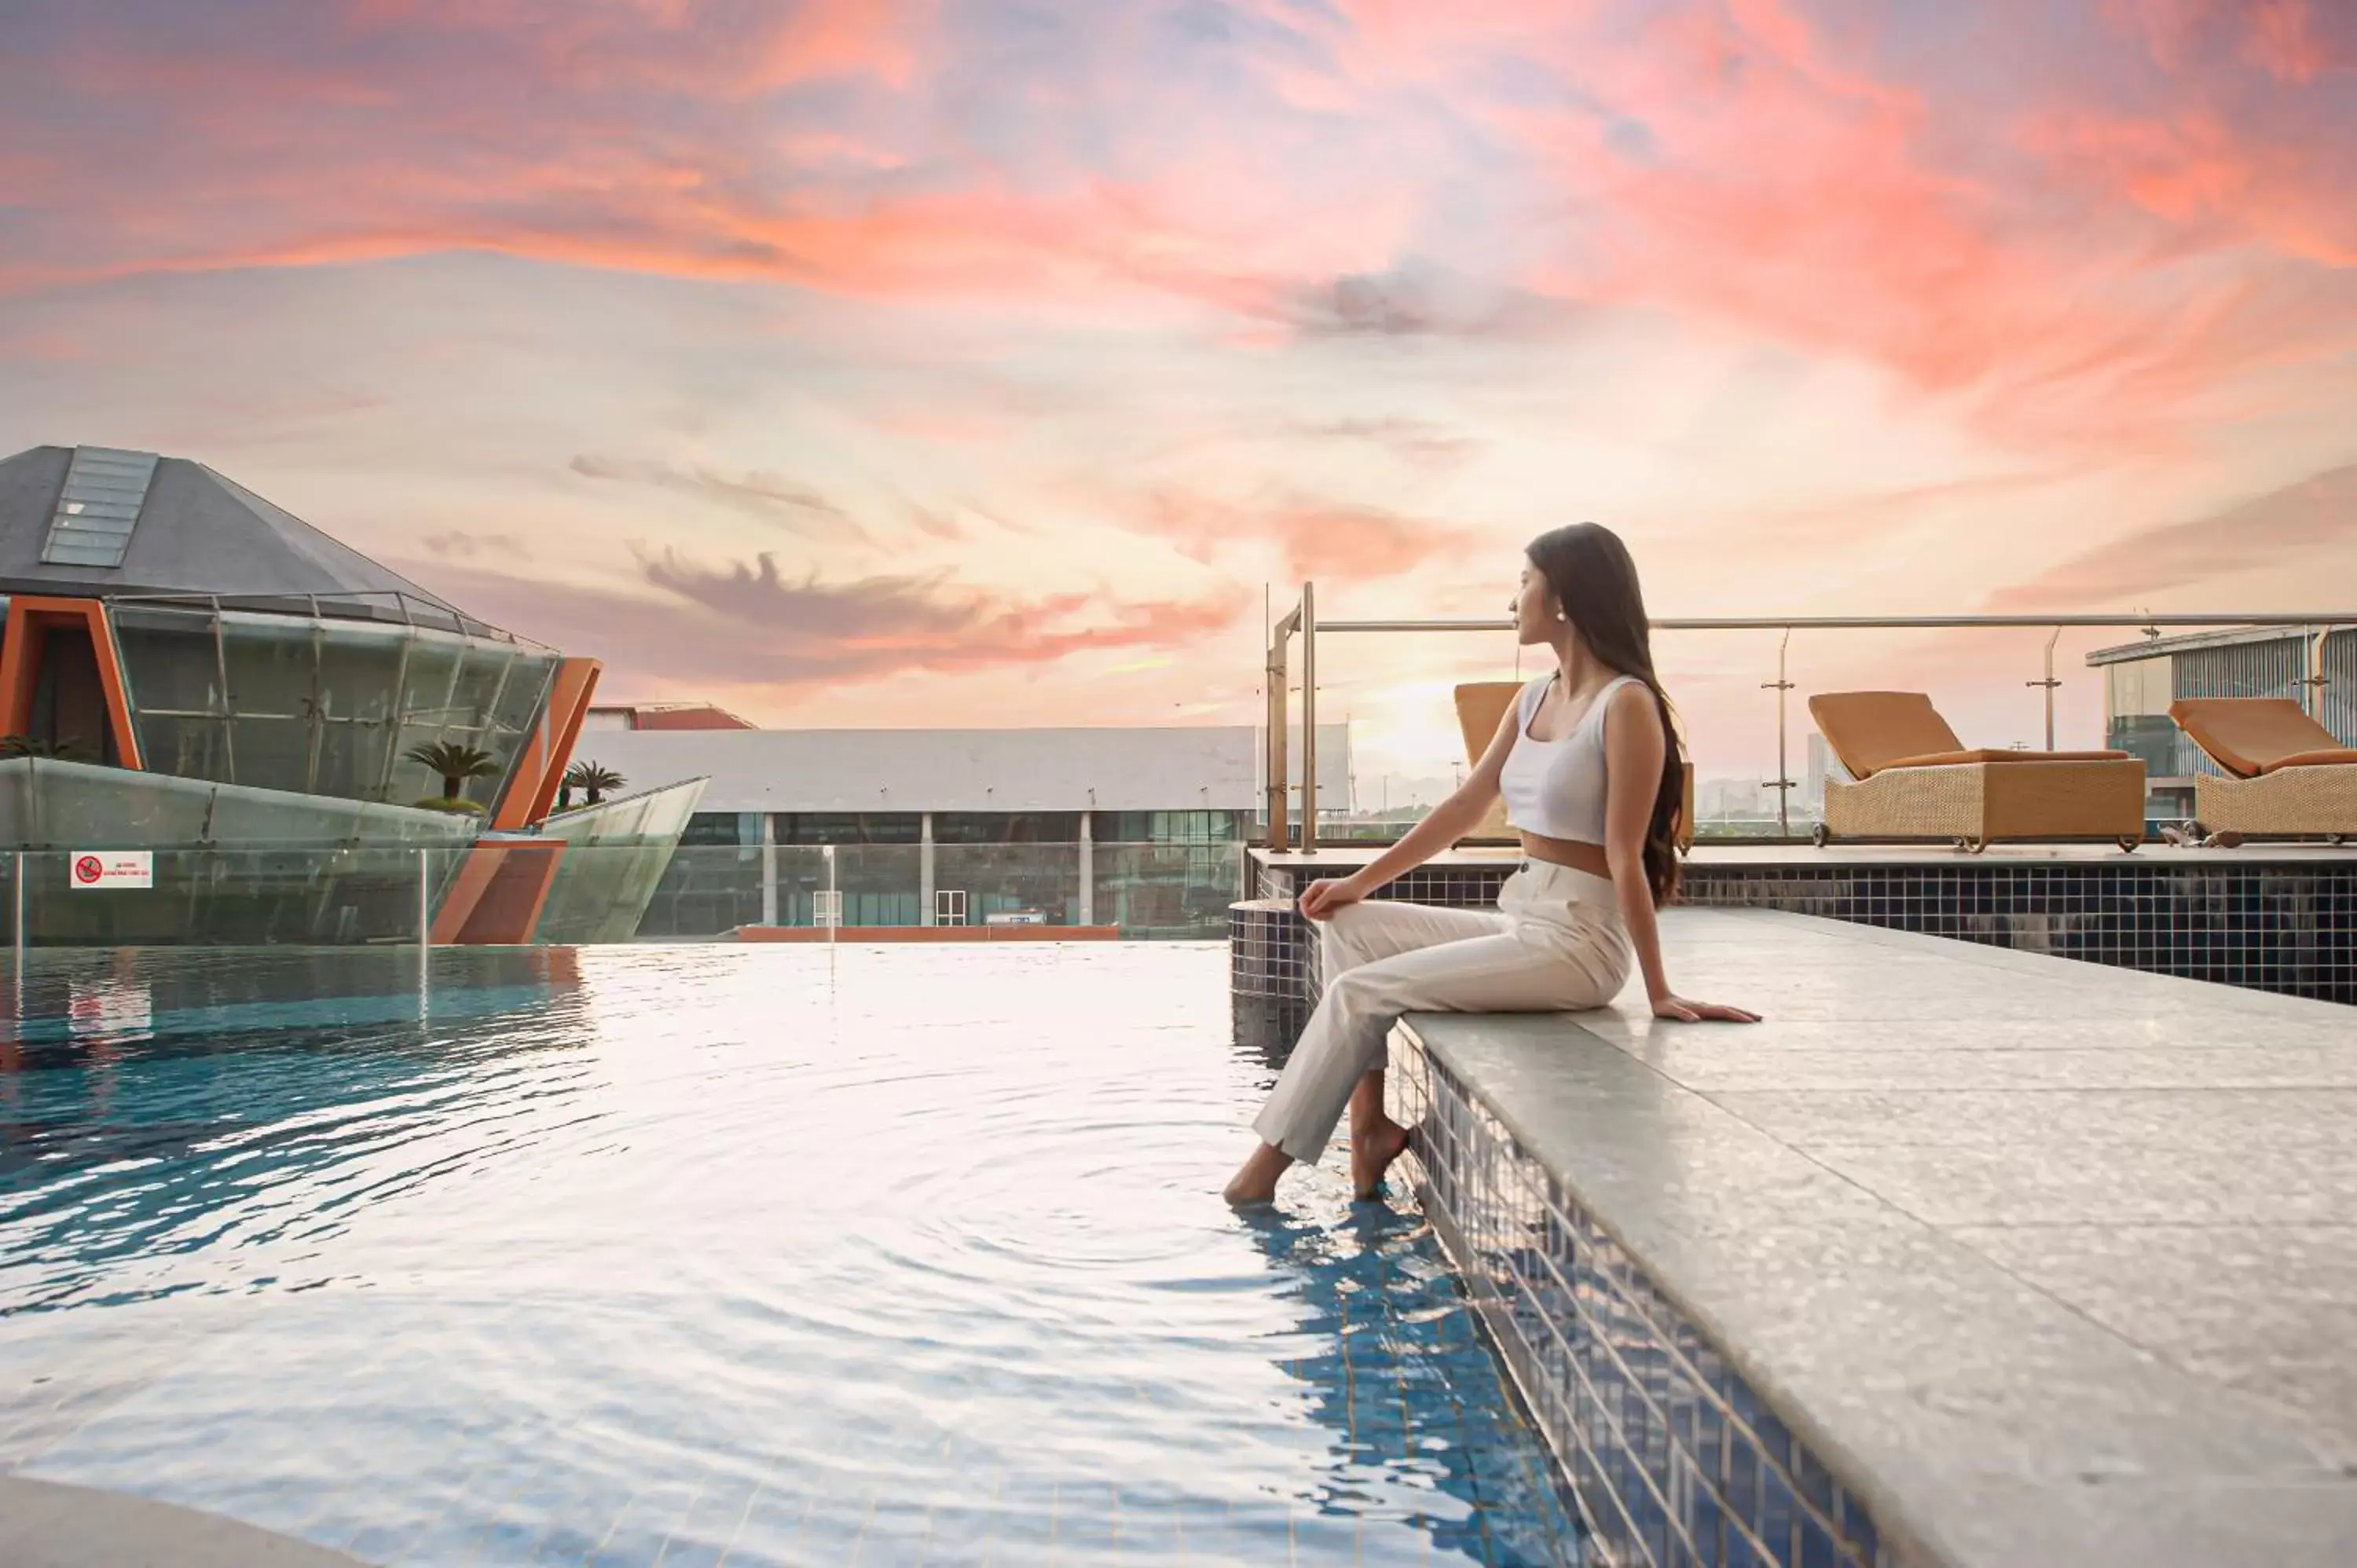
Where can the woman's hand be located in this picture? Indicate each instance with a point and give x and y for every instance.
(1321, 899)
(1685, 1011)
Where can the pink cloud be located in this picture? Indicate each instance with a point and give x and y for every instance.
(749, 623)
(1319, 541)
(2195, 173)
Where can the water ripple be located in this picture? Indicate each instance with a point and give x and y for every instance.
(658, 1254)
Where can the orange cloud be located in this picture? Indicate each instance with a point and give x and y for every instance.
(2301, 526)
(2057, 267)
(2193, 171)
(1317, 541)
(747, 623)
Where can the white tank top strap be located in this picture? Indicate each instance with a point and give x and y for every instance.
(1533, 693)
(1597, 708)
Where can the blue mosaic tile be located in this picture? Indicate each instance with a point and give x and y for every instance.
(1674, 1460)
(2264, 925)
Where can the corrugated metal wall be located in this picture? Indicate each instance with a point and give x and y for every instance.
(2273, 668)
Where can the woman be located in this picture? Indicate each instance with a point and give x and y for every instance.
(1588, 763)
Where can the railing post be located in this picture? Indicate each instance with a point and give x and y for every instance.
(2050, 684)
(1308, 717)
(1783, 783)
(18, 932)
(2311, 695)
(1272, 744)
(424, 930)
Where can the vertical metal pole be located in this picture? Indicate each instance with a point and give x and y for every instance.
(1088, 871)
(2312, 671)
(19, 934)
(1783, 784)
(1309, 718)
(2050, 683)
(1276, 740)
(425, 931)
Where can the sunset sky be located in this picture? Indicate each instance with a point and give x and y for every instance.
(979, 362)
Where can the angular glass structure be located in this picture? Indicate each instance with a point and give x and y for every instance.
(192, 671)
(325, 706)
(615, 852)
(230, 864)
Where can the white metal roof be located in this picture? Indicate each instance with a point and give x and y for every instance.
(1105, 769)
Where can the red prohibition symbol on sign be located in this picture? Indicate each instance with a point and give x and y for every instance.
(87, 868)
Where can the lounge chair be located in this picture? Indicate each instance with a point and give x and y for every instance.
(2288, 777)
(1481, 707)
(1916, 781)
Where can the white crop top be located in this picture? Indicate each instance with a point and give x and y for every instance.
(1556, 788)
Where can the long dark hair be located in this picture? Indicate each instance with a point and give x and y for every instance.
(1590, 570)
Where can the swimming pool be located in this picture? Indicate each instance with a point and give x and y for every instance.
(721, 1254)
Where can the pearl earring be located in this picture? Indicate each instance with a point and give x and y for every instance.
(1560, 616)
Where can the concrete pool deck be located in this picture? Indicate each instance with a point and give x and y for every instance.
(2047, 1263)
(48, 1525)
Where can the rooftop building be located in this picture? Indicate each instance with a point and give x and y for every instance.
(662, 716)
(187, 669)
(1137, 827)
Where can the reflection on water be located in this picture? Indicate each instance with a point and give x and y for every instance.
(882, 1255)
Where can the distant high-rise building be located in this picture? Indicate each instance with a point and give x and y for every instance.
(1822, 765)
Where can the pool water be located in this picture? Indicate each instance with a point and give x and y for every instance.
(721, 1254)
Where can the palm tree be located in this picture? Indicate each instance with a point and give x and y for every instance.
(455, 763)
(593, 779)
(13, 746)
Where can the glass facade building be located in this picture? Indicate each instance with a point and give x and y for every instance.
(191, 673)
(323, 706)
(1153, 874)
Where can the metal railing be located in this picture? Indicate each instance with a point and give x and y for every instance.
(1302, 620)
(428, 614)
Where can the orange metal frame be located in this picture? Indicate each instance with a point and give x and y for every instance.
(30, 616)
(501, 888)
(499, 894)
(542, 768)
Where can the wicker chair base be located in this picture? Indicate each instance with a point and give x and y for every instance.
(2294, 802)
(1975, 804)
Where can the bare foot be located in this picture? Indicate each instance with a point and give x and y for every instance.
(1255, 1180)
(1372, 1153)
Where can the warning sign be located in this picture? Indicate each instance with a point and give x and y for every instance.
(115, 868)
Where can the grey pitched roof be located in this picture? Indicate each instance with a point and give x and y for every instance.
(201, 534)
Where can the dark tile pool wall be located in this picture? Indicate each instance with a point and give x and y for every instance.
(2275, 925)
(1674, 1461)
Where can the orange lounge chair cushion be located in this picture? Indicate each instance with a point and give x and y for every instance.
(1956, 758)
(1481, 708)
(2251, 735)
(2332, 757)
(1871, 732)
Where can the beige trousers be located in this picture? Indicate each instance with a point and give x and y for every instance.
(1553, 944)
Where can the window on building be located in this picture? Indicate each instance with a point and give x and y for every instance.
(1166, 827)
(722, 827)
(1007, 827)
(849, 827)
